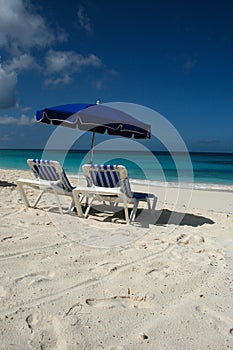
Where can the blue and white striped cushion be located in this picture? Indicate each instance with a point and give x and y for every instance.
(105, 176)
(112, 176)
(50, 171)
(44, 170)
(108, 176)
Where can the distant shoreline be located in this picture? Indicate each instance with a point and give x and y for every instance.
(205, 170)
(152, 183)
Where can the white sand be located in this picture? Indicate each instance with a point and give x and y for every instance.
(165, 284)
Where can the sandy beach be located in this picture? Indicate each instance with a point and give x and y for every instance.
(69, 283)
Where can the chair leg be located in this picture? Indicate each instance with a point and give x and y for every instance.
(76, 198)
(127, 214)
(125, 203)
(134, 211)
(38, 199)
(58, 201)
(148, 203)
(81, 197)
(23, 195)
(71, 207)
(88, 208)
(154, 203)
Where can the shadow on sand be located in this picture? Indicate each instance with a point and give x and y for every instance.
(158, 217)
(165, 216)
(7, 184)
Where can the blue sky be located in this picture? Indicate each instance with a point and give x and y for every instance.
(175, 57)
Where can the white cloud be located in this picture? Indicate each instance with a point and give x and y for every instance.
(8, 83)
(66, 63)
(21, 28)
(59, 61)
(9, 78)
(22, 32)
(26, 109)
(23, 120)
(65, 79)
(84, 20)
(22, 62)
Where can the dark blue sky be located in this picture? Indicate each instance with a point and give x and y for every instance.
(175, 57)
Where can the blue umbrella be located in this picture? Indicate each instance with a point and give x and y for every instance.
(96, 118)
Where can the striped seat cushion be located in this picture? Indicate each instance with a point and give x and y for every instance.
(50, 171)
(105, 176)
(110, 176)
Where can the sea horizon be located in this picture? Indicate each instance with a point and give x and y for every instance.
(112, 150)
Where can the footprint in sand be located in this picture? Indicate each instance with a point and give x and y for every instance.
(184, 239)
(73, 313)
(222, 322)
(45, 331)
(157, 268)
(31, 321)
(162, 270)
(120, 301)
(36, 277)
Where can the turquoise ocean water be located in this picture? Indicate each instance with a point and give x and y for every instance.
(209, 168)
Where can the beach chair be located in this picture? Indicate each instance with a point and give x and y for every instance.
(110, 183)
(50, 177)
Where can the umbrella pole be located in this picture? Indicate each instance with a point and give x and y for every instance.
(92, 147)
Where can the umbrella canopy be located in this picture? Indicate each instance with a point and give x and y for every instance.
(96, 118)
(62, 114)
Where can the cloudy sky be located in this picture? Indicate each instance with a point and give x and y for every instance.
(175, 57)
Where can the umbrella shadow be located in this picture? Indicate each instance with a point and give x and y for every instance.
(7, 184)
(168, 217)
(158, 217)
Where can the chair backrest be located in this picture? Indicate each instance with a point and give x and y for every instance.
(50, 170)
(110, 176)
